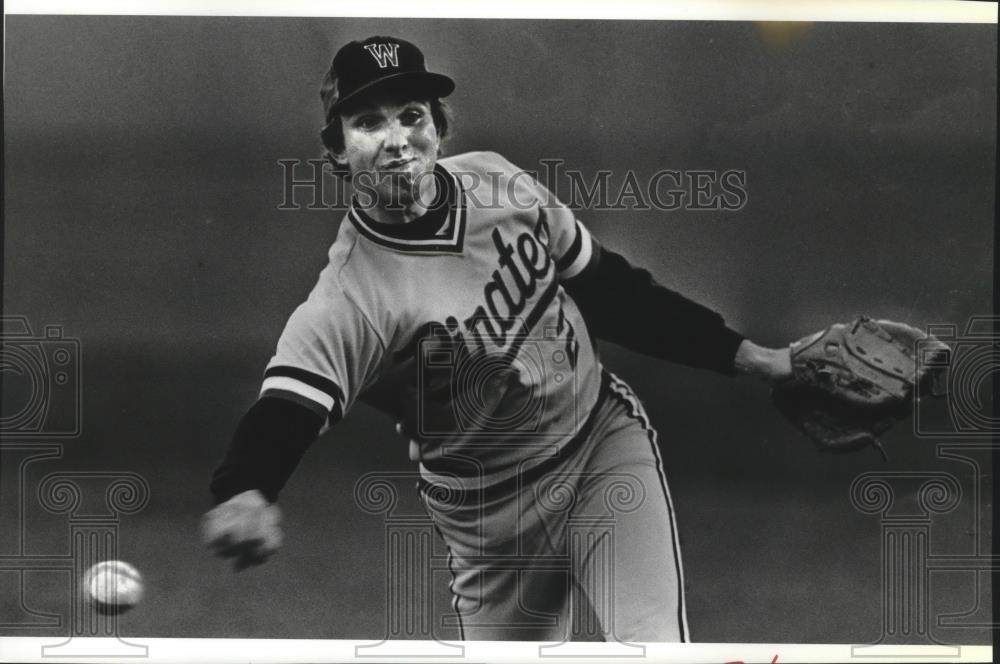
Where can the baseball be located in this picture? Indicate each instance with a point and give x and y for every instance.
(113, 586)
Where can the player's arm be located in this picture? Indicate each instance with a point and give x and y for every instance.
(327, 350)
(267, 445)
(623, 304)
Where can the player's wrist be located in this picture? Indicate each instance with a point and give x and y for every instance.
(251, 499)
(768, 363)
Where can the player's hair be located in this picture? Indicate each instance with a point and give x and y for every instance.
(332, 136)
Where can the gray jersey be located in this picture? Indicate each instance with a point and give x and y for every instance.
(458, 321)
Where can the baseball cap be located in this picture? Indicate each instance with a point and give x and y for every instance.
(362, 65)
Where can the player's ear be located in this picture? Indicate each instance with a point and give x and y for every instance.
(337, 158)
(338, 163)
(335, 154)
(333, 144)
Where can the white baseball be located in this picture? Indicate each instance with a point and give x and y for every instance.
(113, 586)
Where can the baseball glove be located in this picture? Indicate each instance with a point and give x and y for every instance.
(852, 382)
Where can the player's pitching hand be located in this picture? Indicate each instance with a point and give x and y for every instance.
(245, 528)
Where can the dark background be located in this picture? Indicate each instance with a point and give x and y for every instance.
(141, 200)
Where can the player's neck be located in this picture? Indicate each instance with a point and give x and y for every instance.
(398, 215)
(409, 208)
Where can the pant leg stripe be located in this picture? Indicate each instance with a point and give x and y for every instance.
(624, 393)
(451, 583)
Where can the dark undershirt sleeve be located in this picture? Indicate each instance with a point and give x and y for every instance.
(268, 443)
(624, 304)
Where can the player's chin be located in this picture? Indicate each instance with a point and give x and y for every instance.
(395, 180)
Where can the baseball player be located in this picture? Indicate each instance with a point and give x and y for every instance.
(465, 300)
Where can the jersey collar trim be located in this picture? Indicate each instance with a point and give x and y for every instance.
(440, 230)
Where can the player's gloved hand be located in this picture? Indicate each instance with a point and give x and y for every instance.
(245, 528)
(851, 382)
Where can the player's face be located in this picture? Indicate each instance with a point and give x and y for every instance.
(393, 139)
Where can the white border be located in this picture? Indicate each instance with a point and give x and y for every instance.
(903, 11)
(265, 651)
(274, 651)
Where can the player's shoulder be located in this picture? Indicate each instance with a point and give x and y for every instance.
(334, 280)
(481, 162)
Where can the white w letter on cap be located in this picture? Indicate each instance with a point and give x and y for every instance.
(384, 54)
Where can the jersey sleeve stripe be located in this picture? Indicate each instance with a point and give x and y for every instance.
(308, 378)
(570, 254)
(577, 256)
(275, 385)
